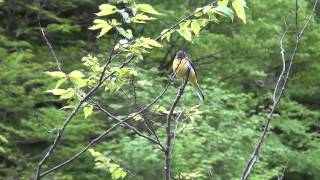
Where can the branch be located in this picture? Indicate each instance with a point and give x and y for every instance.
(255, 154)
(167, 151)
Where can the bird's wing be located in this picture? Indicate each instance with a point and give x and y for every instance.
(191, 66)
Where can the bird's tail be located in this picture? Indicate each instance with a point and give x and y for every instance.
(198, 91)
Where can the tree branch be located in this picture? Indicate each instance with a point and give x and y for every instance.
(167, 151)
(255, 154)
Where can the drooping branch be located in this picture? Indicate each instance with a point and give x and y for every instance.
(255, 154)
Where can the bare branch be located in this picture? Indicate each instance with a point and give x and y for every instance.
(167, 151)
(255, 154)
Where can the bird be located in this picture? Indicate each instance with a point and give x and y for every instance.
(181, 64)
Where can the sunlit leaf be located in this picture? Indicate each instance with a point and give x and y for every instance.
(238, 6)
(147, 9)
(101, 24)
(195, 26)
(166, 33)
(127, 34)
(186, 33)
(142, 17)
(76, 74)
(198, 12)
(87, 111)
(69, 93)
(223, 2)
(106, 9)
(222, 10)
(56, 74)
(57, 92)
(150, 42)
(185, 24)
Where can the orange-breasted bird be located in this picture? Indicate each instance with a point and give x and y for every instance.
(180, 65)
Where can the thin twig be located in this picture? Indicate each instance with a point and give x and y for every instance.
(282, 52)
(255, 154)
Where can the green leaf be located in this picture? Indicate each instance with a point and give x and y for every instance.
(76, 74)
(150, 42)
(185, 24)
(141, 18)
(127, 34)
(69, 93)
(223, 2)
(67, 107)
(186, 33)
(147, 9)
(87, 111)
(57, 92)
(222, 10)
(195, 27)
(101, 24)
(238, 6)
(56, 74)
(166, 34)
(198, 12)
(106, 9)
(60, 82)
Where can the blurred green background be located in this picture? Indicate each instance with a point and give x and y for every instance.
(238, 65)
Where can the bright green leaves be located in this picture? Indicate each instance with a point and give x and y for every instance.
(105, 26)
(147, 9)
(189, 26)
(106, 9)
(149, 43)
(103, 163)
(166, 33)
(238, 6)
(138, 14)
(63, 93)
(141, 18)
(202, 16)
(76, 74)
(223, 2)
(125, 33)
(195, 26)
(57, 74)
(77, 78)
(186, 33)
(225, 11)
(87, 110)
(185, 30)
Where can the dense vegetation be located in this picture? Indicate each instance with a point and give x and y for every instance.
(237, 64)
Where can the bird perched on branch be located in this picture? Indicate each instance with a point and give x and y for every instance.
(181, 65)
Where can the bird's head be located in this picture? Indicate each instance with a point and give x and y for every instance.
(180, 54)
